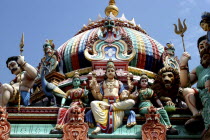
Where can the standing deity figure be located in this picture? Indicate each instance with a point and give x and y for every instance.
(112, 101)
(201, 75)
(77, 96)
(51, 58)
(170, 60)
(145, 95)
(21, 85)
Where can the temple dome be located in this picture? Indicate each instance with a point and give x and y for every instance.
(148, 51)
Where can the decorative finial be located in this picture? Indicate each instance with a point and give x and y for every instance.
(112, 8)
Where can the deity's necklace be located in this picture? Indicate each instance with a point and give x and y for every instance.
(110, 85)
(144, 93)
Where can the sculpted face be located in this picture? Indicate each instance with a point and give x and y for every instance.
(109, 24)
(48, 50)
(205, 61)
(13, 67)
(205, 26)
(202, 45)
(168, 79)
(110, 73)
(76, 82)
(144, 83)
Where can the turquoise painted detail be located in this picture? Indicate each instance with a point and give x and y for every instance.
(67, 54)
(43, 131)
(148, 48)
(33, 131)
(135, 133)
(133, 39)
(104, 51)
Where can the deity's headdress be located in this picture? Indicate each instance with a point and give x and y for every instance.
(170, 46)
(76, 75)
(49, 43)
(206, 16)
(144, 76)
(110, 64)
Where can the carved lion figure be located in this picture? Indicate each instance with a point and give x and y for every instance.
(166, 86)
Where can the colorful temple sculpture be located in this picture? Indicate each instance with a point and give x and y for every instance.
(110, 81)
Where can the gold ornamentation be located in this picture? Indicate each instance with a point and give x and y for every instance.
(112, 8)
(110, 85)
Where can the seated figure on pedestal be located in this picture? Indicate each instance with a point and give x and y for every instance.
(108, 110)
(21, 85)
(201, 75)
(145, 94)
(77, 95)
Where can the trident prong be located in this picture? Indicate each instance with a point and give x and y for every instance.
(181, 30)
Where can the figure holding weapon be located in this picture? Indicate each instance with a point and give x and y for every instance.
(201, 75)
(24, 80)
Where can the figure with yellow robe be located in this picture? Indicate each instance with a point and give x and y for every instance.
(108, 110)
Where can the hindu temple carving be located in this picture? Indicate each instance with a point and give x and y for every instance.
(75, 128)
(67, 115)
(112, 78)
(50, 59)
(5, 127)
(166, 86)
(19, 89)
(153, 129)
(112, 97)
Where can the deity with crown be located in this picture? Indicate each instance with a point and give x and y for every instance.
(108, 110)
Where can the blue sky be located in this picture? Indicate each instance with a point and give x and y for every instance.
(59, 20)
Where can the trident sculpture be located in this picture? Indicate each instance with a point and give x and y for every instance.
(181, 30)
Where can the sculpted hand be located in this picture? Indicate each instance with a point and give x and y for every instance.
(207, 85)
(125, 94)
(104, 106)
(184, 59)
(20, 60)
(86, 93)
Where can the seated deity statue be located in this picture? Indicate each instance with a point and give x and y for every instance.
(78, 96)
(111, 101)
(19, 89)
(145, 95)
(51, 58)
(201, 75)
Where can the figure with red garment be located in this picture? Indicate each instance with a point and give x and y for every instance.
(77, 95)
